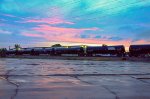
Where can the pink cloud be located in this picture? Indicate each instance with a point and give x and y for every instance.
(52, 33)
(31, 34)
(53, 20)
(72, 35)
(141, 42)
(61, 34)
(47, 28)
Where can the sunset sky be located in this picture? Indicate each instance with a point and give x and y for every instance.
(72, 22)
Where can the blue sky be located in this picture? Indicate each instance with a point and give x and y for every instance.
(70, 22)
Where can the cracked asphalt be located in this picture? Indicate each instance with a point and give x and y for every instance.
(73, 79)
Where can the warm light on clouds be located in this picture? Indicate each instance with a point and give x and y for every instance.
(52, 33)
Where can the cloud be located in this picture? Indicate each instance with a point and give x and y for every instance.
(143, 35)
(5, 32)
(140, 42)
(145, 25)
(72, 35)
(1, 24)
(9, 15)
(115, 38)
(58, 33)
(31, 34)
(111, 6)
(53, 20)
(66, 33)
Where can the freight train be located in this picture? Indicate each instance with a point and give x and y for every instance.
(119, 50)
(73, 50)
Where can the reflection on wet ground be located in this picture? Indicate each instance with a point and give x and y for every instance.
(73, 79)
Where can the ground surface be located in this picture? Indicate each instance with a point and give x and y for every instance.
(73, 79)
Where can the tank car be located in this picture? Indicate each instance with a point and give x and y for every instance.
(139, 50)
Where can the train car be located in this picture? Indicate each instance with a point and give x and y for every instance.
(139, 50)
(59, 51)
(38, 51)
(19, 52)
(49, 51)
(105, 50)
(11, 52)
(27, 51)
(118, 50)
(35, 51)
(76, 50)
(14, 52)
(96, 50)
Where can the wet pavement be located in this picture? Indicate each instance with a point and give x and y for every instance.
(73, 79)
